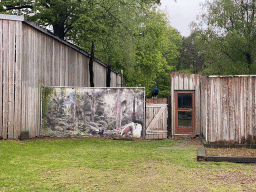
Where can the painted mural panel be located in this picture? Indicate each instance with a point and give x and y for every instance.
(109, 112)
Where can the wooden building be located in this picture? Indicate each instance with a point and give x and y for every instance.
(220, 108)
(32, 57)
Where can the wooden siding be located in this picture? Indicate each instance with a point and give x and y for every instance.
(29, 59)
(10, 77)
(228, 108)
(184, 81)
(156, 121)
(225, 105)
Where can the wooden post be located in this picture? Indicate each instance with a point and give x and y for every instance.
(109, 69)
(91, 66)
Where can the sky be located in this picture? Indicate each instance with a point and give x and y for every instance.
(181, 13)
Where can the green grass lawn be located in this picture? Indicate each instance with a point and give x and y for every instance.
(91, 164)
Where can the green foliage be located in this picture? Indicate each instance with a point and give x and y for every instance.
(132, 36)
(47, 91)
(190, 60)
(228, 43)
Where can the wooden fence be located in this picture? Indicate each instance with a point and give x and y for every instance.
(225, 106)
(31, 57)
(156, 121)
(228, 108)
(188, 82)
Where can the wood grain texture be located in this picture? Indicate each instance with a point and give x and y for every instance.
(197, 105)
(1, 77)
(5, 78)
(30, 59)
(11, 82)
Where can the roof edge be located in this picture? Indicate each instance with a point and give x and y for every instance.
(49, 33)
(12, 17)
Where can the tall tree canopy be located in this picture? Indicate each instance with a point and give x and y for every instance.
(60, 14)
(129, 35)
(228, 43)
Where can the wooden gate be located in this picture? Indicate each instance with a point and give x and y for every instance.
(156, 121)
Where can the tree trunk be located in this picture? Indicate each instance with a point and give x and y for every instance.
(59, 29)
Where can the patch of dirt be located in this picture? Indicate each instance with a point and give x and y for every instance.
(191, 142)
(231, 152)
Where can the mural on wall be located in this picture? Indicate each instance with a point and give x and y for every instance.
(107, 112)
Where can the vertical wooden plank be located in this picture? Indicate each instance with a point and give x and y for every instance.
(83, 71)
(170, 110)
(204, 107)
(249, 107)
(185, 79)
(18, 99)
(231, 109)
(23, 75)
(60, 60)
(49, 61)
(197, 105)
(42, 59)
(241, 132)
(225, 103)
(216, 107)
(1, 77)
(66, 59)
(70, 67)
(56, 57)
(254, 107)
(50, 49)
(176, 80)
(175, 85)
(245, 106)
(11, 65)
(5, 77)
(80, 69)
(202, 127)
(237, 108)
(192, 82)
(30, 69)
(181, 81)
(209, 104)
(37, 82)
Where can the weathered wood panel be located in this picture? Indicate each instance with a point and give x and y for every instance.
(225, 105)
(204, 108)
(197, 105)
(156, 121)
(1, 77)
(5, 77)
(113, 80)
(183, 81)
(29, 59)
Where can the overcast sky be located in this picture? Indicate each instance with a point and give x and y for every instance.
(182, 13)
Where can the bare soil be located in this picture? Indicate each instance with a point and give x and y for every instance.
(231, 152)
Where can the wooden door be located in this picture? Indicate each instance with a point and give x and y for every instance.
(184, 112)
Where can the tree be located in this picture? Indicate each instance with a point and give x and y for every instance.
(60, 14)
(228, 43)
(128, 35)
(190, 59)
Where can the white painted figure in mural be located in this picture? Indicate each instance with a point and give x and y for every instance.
(134, 128)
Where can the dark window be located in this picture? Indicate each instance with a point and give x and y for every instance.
(185, 100)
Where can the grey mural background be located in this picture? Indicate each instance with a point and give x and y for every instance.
(108, 112)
